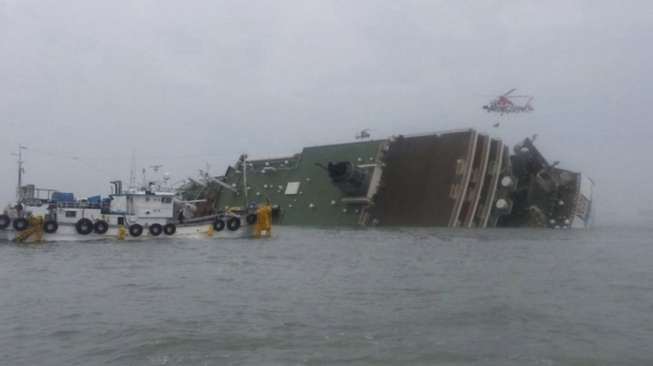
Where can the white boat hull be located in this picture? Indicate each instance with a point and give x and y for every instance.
(67, 233)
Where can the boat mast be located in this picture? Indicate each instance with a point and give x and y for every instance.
(21, 170)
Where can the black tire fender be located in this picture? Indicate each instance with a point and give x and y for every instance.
(233, 223)
(20, 224)
(101, 227)
(5, 221)
(251, 219)
(135, 230)
(155, 229)
(84, 226)
(169, 229)
(218, 224)
(50, 226)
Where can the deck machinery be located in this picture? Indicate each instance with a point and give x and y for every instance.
(455, 179)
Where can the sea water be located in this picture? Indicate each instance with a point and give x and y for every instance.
(329, 297)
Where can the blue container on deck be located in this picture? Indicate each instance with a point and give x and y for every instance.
(62, 197)
(95, 200)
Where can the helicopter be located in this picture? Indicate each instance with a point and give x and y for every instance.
(503, 104)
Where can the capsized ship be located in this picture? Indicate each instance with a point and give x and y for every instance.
(450, 179)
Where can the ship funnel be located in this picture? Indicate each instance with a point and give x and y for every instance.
(350, 179)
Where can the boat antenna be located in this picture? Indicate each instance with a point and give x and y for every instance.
(21, 171)
(132, 175)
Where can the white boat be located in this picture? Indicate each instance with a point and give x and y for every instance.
(133, 214)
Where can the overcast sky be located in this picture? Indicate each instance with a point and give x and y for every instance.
(186, 83)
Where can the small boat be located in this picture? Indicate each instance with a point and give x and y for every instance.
(133, 214)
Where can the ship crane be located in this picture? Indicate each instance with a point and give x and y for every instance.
(223, 185)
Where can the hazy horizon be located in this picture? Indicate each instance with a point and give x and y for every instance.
(86, 84)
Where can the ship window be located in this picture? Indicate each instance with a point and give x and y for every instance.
(166, 199)
(121, 221)
(460, 166)
(454, 191)
(292, 188)
(71, 213)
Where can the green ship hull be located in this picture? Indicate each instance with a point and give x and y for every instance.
(455, 179)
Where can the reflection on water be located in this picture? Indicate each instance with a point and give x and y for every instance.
(313, 296)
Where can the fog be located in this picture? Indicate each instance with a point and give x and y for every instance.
(87, 84)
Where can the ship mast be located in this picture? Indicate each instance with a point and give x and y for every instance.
(244, 157)
(21, 170)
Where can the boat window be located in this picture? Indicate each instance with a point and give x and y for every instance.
(71, 213)
(166, 199)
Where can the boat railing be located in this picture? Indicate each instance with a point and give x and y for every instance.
(77, 205)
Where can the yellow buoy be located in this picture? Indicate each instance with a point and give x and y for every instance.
(264, 221)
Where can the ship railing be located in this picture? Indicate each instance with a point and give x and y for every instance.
(77, 205)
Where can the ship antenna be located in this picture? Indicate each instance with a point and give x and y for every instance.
(132, 175)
